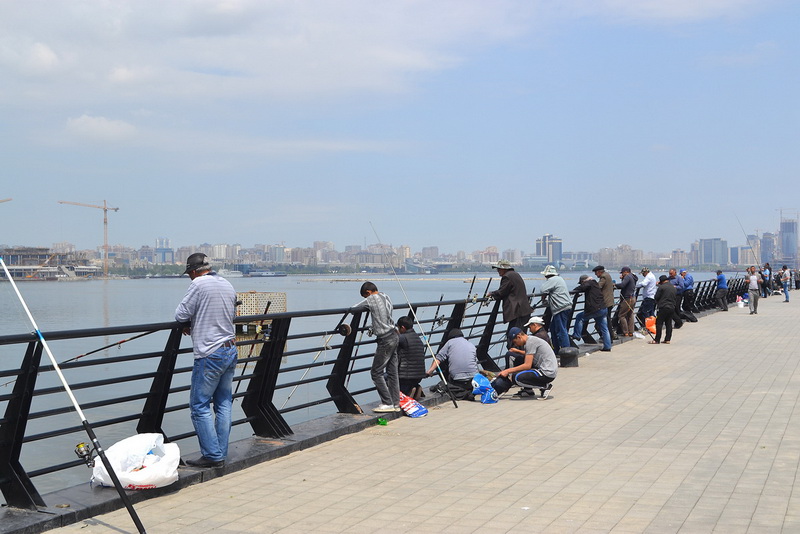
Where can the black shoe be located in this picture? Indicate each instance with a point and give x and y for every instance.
(524, 393)
(205, 462)
(605, 350)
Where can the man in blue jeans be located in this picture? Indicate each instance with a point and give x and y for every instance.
(210, 305)
(593, 308)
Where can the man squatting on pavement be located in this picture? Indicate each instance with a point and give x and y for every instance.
(516, 304)
(458, 359)
(210, 305)
(384, 363)
(410, 358)
(534, 364)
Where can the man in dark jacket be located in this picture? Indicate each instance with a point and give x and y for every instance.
(627, 301)
(410, 358)
(516, 304)
(593, 308)
(666, 296)
(606, 284)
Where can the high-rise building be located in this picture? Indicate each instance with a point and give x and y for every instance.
(769, 246)
(788, 237)
(550, 247)
(713, 251)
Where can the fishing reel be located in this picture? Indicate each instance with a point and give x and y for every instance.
(344, 329)
(439, 321)
(86, 453)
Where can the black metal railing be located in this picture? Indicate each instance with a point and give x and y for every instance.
(144, 387)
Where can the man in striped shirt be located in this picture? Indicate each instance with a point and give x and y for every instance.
(210, 305)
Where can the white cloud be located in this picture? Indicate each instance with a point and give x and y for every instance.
(660, 10)
(100, 128)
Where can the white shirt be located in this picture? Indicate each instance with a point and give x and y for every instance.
(648, 285)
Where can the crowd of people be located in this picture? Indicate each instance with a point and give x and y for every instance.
(534, 343)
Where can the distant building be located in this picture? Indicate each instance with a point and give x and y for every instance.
(713, 251)
(549, 246)
(788, 239)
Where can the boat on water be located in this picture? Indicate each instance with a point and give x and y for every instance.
(228, 273)
(266, 273)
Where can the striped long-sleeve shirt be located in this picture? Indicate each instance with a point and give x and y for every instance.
(380, 309)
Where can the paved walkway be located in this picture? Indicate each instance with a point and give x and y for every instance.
(698, 436)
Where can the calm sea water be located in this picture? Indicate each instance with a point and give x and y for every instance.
(102, 303)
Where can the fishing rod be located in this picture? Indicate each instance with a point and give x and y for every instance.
(416, 320)
(480, 306)
(89, 431)
(342, 329)
(259, 329)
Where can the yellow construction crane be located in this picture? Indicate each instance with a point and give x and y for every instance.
(105, 209)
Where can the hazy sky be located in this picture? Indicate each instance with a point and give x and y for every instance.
(460, 123)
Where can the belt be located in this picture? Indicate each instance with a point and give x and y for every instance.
(229, 343)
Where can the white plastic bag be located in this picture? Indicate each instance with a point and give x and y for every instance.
(142, 461)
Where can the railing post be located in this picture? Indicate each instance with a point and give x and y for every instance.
(486, 340)
(153, 412)
(456, 318)
(15, 484)
(344, 401)
(257, 404)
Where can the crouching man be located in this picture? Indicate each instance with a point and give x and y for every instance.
(534, 365)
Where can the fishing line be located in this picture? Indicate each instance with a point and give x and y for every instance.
(117, 344)
(325, 347)
(100, 452)
(416, 320)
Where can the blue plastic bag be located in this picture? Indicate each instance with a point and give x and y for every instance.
(484, 388)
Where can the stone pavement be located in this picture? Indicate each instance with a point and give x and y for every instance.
(701, 435)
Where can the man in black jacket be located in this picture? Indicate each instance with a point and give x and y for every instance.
(666, 297)
(593, 308)
(410, 358)
(516, 304)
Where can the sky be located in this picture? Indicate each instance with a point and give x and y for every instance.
(460, 124)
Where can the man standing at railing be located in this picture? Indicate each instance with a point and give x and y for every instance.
(384, 363)
(554, 289)
(516, 304)
(721, 294)
(210, 305)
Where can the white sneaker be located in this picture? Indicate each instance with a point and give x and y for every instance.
(384, 408)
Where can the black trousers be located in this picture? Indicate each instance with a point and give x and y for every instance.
(664, 317)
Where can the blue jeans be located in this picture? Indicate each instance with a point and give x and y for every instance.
(786, 290)
(600, 318)
(212, 381)
(558, 330)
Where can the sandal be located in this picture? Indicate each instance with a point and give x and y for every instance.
(654, 342)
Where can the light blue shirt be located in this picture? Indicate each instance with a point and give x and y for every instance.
(210, 305)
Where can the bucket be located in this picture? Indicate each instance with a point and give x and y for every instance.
(740, 304)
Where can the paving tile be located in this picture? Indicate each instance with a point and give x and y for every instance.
(704, 438)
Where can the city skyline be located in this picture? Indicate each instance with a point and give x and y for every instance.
(458, 123)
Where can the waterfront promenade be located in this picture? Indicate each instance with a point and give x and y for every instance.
(701, 435)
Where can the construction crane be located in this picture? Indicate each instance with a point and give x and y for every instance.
(105, 209)
(6, 199)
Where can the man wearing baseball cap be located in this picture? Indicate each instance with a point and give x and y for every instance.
(210, 305)
(534, 365)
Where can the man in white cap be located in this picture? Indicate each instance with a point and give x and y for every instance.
(536, 326)
(554, 289)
